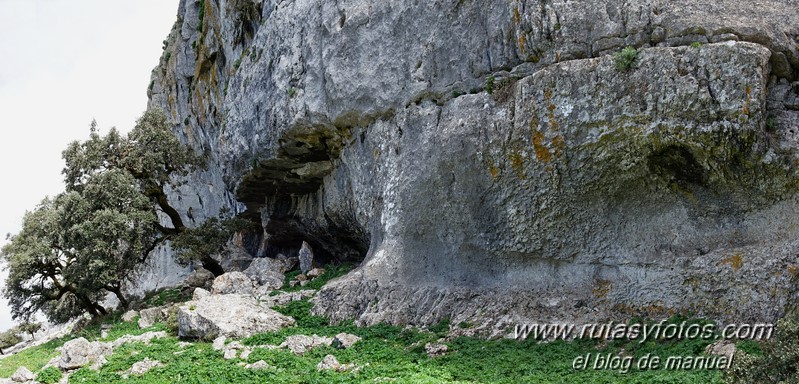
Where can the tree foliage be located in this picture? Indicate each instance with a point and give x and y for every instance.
(9, 339)
(87, 241)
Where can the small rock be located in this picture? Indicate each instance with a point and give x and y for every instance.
(301, 278)
(22, 375)
(245, 353)
(144, 366)
(150, 316)
(304, 283)
(199, 293)
(219, 343)
(316, 272)
(345, 340)
(329, 362)
(435, 349)
(287, 297)
(260, 364)
(232, 283)
(721, 347)
(200, 278)
(130, 315)
(306, 257)
(299, 344)
(230, 354)
(184, 344)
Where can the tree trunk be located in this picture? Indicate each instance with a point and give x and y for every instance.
(117, 291)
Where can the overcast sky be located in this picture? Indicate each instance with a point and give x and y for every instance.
(62, 64)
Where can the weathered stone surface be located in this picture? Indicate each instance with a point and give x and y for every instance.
(260, 364)
(315, 272)
(22, 374)
(569, 191)
(232, 282)
(80, 352)
(329, 362)
(200, 278)
(299, 344)
(435, 349)
(286, 297)
(721, 347)
(345, 340)
(235, 316)
(306, 258)
(150, 316)
(199, 293)
(130, 315)
(145, 338)
(267, 272)
(144, 366)
(219, 343)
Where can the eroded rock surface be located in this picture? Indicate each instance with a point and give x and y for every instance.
(234, 316)
(487, 161)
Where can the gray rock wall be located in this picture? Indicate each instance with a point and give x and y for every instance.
(571, 190)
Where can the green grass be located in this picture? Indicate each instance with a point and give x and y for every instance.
(33, 358)
(624, 59)
(331, 272)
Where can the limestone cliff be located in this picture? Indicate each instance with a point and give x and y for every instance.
(487, 161)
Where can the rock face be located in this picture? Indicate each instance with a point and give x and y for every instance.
(235, 316)
(496, 166)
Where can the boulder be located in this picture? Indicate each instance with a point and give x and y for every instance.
(345, 340)
(150, 316)
(230, 315)
(22, 375)
(435, 349)
(199, 293)
(200, 278)
(306, 257)
(80, 352)
(130, 315)
(267, 272)
(232, 282)
(299, 344)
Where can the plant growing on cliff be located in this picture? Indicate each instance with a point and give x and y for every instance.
(624, 59)
(89, 240)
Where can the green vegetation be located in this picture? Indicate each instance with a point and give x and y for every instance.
(696, 44)
(291, 92)
(624, 59)
(49, 375)
(33, 358)
(87, 241)
(9, 339)
(331, 272)
(777, 359)
(490, 84)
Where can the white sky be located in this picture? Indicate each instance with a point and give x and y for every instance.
(62, 64)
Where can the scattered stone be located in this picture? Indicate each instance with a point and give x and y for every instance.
(306, 257)
(80, 352)
(150, 316)
(232, 282)
(246, 352)
(236, 316)
(130, 315)
(299, 344)
(287, 297)
(184, 344)
(721, 347)
(145, 338)
(345, 340)
(435, 349)
(219, 343)
(232, 350)
(200, 278)
(330, 362)
(304, 283)
(199, 293)
(22, 375)
(301, 277)
(316, 272)
(268, 272)
(144, 366)
(260, 364)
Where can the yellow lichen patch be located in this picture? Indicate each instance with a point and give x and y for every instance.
(517, 17)
(559, 143)
(793, 269)
(376, 153)
(517, 163)
(542, 153)
(602, 288)
(522, 42)
(748, 99)
(735, 261)
(494, 171)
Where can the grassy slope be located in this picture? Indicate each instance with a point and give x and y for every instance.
(386, 354)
